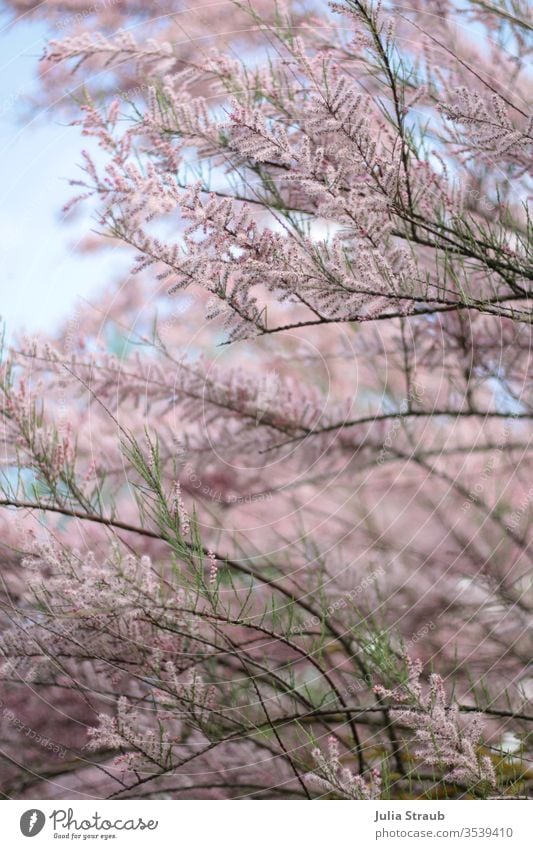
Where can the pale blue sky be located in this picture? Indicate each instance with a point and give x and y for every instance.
(41, 275)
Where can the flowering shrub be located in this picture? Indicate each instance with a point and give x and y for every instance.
(295, 442)
(444, 742)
